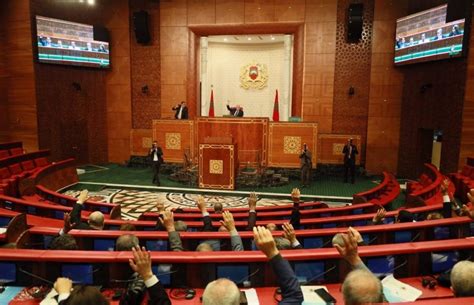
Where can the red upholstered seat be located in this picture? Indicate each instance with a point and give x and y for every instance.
(28, 165)
(16, 151)
(41, 162)
(4, 154)
(4, 173)
(15, 169)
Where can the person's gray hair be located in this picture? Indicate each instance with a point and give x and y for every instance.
(221, 292)
(462, 279)
(362, 287)
(126, 242)
(204, 247)
(96, 220)
(180, 226)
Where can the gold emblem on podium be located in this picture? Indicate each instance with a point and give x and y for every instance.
(291, 145)
(216, 167)
(173, 140)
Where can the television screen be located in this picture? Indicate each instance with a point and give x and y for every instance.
(69, 43)
(425, 36)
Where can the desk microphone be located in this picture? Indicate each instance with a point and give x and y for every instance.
(36, 277)
(245, 280)
(318, 275)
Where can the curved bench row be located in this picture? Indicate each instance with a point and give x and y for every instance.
(464, 181)
(15, 168)
(384, 193)
(11, 149)
(311, 238)
(411, 259)
(427, 190)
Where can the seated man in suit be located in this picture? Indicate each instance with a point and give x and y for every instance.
(236, 111)
(181, 111)
(73, 220)
(141, 264)
(224, 289)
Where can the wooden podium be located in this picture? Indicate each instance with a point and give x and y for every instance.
(218, 163)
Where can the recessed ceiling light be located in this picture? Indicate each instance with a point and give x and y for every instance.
(225, 39)
(91, 2)
(250, 38)
(273, 38)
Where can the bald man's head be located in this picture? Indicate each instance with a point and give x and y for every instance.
(362, 287)
(271, 227)
(221, 292)
(96, 220)
(204, 247)
(462, 279)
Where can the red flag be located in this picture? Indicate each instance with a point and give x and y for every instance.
(276, 111)
(211, 106)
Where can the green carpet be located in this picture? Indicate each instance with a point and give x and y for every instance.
(329, 186)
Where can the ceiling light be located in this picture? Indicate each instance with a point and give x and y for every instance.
(225, 39)
(273, 38)
(250, 38)
(91, 2)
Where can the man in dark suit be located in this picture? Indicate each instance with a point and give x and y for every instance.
(306, 165)
(73, 220)
(181, 111)
(236, 111)
(286, 278)
(350, 151)
(156, 157)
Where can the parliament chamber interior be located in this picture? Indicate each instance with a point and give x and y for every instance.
(144, 142)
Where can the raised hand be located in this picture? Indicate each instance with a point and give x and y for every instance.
(167, 221)
(265, 242)
(380, 216)
(141, 262)
(295, 195)
(201, 203)
(252, 201)
(445, 186)
(160, 207)
(228, 221)
(82, 196)
(289, 232)
(63, 285)
(67, 223)
(349, 251)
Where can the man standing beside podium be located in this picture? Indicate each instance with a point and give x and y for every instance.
(306, 165)
(156, 157)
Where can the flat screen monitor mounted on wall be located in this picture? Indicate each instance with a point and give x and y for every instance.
(426, 36)
(70, 43)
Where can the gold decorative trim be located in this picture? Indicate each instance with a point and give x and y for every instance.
(337, 148)
(147, 142)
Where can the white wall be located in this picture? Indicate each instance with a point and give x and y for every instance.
(220, 68)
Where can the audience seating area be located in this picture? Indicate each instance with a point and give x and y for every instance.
(10, 149)
(427, 190)
(464, 181)
(384, 193)
(32, 212)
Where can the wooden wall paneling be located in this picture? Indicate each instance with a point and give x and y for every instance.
(230, 11)
(331, 146)
(259, 11)
(140, 141)
(352, 69)
(286, 143)
(119, 119)
(175, 137)
(146, 69)
(467, 133)
(201, 11)
(250, 135)
(290, 10)
(20, 102)
(217, 166)
(386, 86)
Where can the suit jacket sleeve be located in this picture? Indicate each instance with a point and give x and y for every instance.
(207, 224)
(75, 215)
(157, 295)
(295, 218)
(290, 287)
(345, 150)
(236, 243)
(252, 221)
(175, 241)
